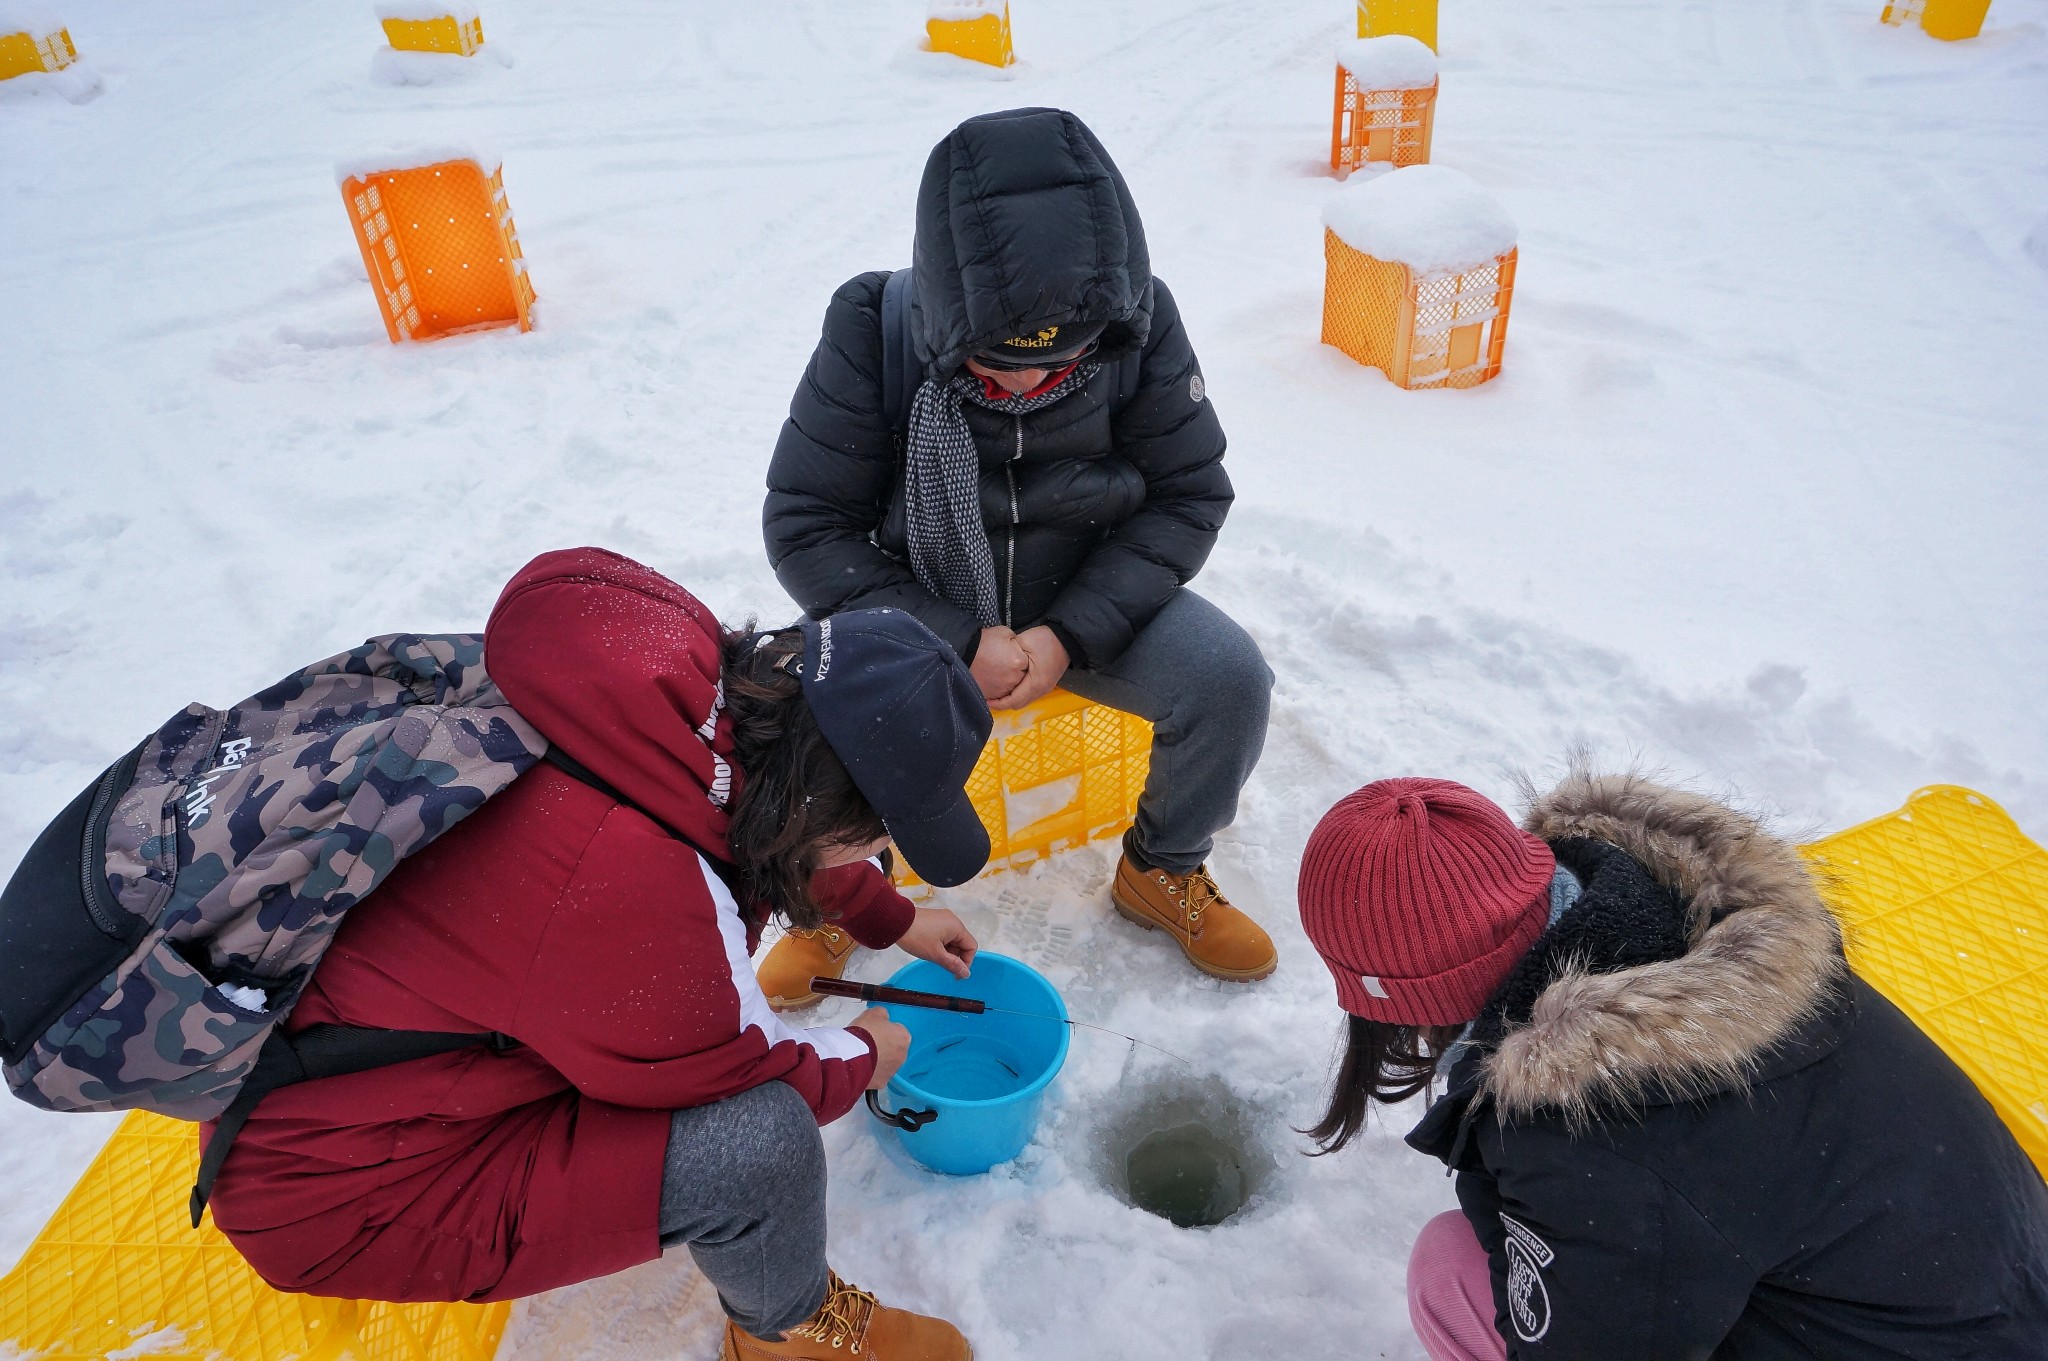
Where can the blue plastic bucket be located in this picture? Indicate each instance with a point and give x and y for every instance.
(981, 1078)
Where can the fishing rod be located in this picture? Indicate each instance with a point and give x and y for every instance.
(883, 994)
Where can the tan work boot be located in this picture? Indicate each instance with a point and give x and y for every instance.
(850, 1323)
(799, 957)
(1217, 938)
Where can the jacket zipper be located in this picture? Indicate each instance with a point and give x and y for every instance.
(1010, 569)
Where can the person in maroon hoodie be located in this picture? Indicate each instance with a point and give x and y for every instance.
(603, 922)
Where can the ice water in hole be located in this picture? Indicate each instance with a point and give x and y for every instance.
(1186, 1174)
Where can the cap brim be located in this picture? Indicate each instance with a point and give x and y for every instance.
(946, 850)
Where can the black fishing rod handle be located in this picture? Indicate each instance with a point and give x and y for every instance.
(907, 1120)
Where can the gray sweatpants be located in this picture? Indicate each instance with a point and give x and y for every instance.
(744, 1189)
(1206, 688)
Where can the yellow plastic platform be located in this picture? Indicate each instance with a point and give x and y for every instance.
(119, 1269)
(1945, 907)
(1061, 772)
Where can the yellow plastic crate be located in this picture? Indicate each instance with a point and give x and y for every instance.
(1061, 772)
(24, 53)
(1416, 18)
(972, 29)
(1945, 907)
(460, 32)
(120, 1266)
(1948, 20)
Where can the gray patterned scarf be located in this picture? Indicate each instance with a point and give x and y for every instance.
(949, 548)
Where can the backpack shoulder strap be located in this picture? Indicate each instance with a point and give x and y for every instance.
(899, 355)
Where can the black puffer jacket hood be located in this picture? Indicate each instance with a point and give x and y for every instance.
(1024, 222)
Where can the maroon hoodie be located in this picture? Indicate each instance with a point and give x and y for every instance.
(609, 949)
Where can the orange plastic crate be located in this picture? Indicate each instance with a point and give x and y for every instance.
(26, 53)
(440, 248)
(1386, 127)
(1944, 908)
(1058, 773)
(982, 37)
(1948, 20)
(1434, 331)
(120, 1267)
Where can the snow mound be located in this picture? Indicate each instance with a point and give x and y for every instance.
(1431, 218)
(1395, 62)
(78, 83)
(964, 11)
(423, 11)
(390, 66)
(413, 157)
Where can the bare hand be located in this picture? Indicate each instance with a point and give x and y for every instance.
(1048, 660)
(999, 664)
(892, 1044)
(941, 937)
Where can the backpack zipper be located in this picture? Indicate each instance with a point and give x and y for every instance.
(93, 866)
(1010, 569)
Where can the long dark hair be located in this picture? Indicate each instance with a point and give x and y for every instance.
(796, 799)
(1382, 1062)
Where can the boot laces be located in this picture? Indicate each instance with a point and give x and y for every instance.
(1201, 893)
(1197, 892)
(842, 1319)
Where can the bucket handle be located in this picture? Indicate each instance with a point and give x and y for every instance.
(907, 1120)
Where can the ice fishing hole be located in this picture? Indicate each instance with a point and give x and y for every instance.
(1187, 1151)
(1187, 1175)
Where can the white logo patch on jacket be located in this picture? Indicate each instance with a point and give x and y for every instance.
(1528, 1299)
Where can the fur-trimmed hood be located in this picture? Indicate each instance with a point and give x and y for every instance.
(1765, 956)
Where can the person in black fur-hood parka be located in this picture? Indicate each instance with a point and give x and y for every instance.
(1012, 441)
(1682, 1128)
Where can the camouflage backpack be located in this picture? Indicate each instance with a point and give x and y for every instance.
(163, 926)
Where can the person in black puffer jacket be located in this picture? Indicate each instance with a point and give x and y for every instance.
(1038, 488)
(1681, 1127)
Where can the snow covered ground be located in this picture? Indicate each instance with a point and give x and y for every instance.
(1758, 499)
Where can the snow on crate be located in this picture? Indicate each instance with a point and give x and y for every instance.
(1396, 62)
(415, 154)
(1431, 218)
(1419, 273)
(436, 234)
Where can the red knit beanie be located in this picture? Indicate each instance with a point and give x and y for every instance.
(1421, 895)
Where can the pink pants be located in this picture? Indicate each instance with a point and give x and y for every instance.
(1450, 1293)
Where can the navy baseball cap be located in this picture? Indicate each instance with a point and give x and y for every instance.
(904, 714)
